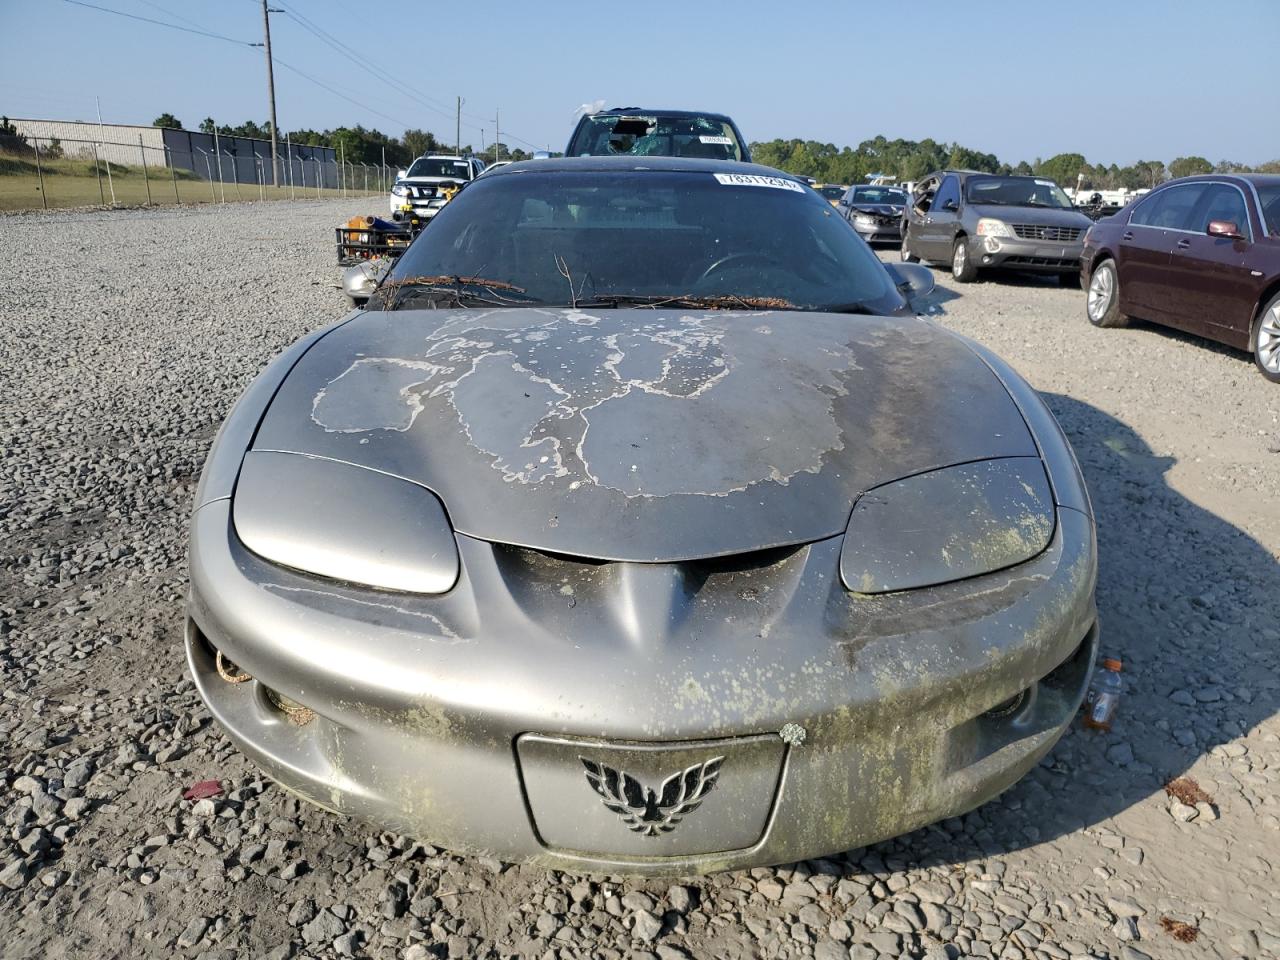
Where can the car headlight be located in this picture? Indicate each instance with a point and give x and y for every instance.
(990, 227)
(865, 220)
(400, 190)
(344, 522)
(947, 525)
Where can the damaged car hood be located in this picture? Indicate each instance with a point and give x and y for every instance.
(643, 435)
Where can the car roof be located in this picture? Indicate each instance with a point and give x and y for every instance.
(627, 164)
(645, 111)
(1260, 179)
(1257, 179)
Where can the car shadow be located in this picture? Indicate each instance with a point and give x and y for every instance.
(935, 303)
(1192, 339)
(1011, 278)
(1181, 595)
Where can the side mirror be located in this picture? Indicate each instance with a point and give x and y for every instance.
(911, 279)
(951, 205)
(401, 174)
(1224, 228)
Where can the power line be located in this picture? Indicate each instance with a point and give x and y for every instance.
(175, 15)
(413, 94)
(404, 89)
(360, 61)
(339, 93)
(161, 23)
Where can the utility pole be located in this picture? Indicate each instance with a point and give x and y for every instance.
(497, 135)
(271, 88)
(457, 137)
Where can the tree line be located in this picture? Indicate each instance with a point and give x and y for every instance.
(911, 160)
(356, 144)
(904, 159)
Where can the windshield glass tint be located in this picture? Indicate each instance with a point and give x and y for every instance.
(425, 167)
(1270, 197)
(879, 195)
(649, 234)
(654, 136)
(1016, 192)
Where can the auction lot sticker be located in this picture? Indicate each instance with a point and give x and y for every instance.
(755, 180)
(723, 141)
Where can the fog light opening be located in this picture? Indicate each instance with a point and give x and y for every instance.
(1009, 707)
(296, 713)
(228, 670)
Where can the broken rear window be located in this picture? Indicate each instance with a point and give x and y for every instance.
(655, 136)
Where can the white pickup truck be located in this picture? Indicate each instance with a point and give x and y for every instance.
(429, 182)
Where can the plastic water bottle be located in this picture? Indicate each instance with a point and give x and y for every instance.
(1104, 695)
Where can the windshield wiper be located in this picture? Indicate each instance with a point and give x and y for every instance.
(657, 301)
(457, 291)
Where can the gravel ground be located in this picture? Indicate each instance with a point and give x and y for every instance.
(124, 339)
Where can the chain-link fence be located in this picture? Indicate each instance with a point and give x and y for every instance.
(47, 172)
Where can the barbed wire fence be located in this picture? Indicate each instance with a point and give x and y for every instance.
(50, 172)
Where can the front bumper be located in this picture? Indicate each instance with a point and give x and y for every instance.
(880, 233)
(1014, 253)
(463, 719)
(423, 209)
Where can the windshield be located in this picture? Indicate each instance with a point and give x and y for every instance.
(1269, 194)
(831, 193)
(1016, 192)
(879, 195)
(428, 167)
(655, 136)
(600, 237)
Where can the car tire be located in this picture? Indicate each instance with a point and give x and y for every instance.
(962, 268)
(1264, 340)
(904, 251)
(1102, 305)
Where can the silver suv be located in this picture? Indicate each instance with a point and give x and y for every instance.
(976, 221)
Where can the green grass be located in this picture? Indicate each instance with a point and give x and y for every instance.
(74, 183)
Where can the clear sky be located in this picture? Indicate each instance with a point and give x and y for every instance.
(1119, 81)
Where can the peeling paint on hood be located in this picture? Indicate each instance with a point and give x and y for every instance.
(643, 434)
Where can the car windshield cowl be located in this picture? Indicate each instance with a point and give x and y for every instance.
(453, 290)
(661, 301)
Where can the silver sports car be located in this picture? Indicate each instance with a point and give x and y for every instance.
(638, 525)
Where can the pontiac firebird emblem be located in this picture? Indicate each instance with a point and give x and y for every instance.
(645, 811)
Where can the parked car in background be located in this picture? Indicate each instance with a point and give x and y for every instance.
(641, 543)
(637, 132)
(830, 192)
(875, 211)
(429, 183)
(976, 221)
(496, 165)
(1201, 254)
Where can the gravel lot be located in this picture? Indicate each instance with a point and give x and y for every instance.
(124, 339)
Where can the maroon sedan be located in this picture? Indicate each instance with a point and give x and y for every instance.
(1201, 254)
